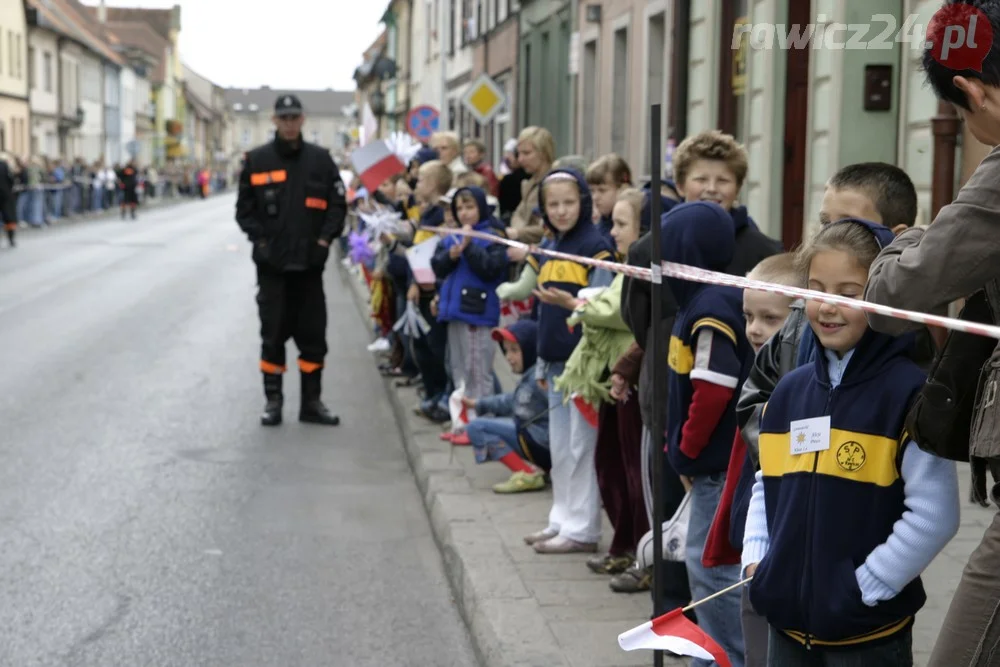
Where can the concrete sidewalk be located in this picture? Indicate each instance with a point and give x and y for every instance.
(524, 609)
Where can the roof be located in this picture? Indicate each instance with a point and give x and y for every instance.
(160, 20)
(71, 19)
(327, 102)
(140, 36)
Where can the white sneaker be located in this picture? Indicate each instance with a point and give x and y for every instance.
(346, 262)
(380, 345)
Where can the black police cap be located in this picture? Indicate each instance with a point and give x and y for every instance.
(288, 105)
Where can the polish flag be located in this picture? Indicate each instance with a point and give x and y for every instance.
(374, 163)
(673, 632)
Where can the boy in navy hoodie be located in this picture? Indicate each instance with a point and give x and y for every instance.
(708, 359)
(471, 269)
(712, 166)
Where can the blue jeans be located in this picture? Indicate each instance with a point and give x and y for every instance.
(492, 438)
(720, 618)
(895, 652)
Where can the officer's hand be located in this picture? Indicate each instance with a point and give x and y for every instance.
(325, 244)
(413, 293)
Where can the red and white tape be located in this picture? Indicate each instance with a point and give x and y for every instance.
(695, 274)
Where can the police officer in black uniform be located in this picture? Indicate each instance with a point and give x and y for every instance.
(291, 205)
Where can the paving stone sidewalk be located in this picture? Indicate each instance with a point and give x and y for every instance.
(524, 609)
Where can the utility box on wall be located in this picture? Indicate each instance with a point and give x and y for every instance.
(878, 88)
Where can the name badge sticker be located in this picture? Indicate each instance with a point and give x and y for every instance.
(810, 435)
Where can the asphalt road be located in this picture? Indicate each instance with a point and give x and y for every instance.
(146, 519)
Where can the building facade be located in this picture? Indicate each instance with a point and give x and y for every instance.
(113, 149)
(252, 110)
(15, 135)
(496, 36)
(543, 78)
(43, 83)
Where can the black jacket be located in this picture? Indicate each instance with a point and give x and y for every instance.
(290, 197)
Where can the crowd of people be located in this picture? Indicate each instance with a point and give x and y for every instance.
(43, 191)
(821, 503)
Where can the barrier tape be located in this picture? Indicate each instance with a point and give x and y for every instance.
(694, 274)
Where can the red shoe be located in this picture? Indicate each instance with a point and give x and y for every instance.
(447, 436)
(461, 439)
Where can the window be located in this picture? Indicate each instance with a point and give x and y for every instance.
(501, 122)
(619, 101)
(588, 125)
(527, 86)
(32, 72)
(246, 137)
(315, 138)
(656, 89)
(10, 53)
(254, 107)
(451, 27)
(20, 58)
(237, 107)
(47, 73)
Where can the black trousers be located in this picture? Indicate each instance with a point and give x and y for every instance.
(291, 305)
(429, 351)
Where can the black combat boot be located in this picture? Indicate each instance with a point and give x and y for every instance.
(11, 229)
(312, 409)
(272, 391)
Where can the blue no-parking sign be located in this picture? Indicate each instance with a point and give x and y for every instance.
(422, 122)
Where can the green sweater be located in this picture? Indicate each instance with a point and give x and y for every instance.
(605, 339)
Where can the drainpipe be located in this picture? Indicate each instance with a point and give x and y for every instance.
(442, 35)
(678, 95)
(574, 13)
(945, 126)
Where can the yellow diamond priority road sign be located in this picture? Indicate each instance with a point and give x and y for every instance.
(484, 98)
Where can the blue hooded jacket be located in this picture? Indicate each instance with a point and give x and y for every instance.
(528, 404)
(555, 340)
(468, 293)
(828, 510)
(701, 234)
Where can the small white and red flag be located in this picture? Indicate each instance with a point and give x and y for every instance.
(673, 632)
(375, 162)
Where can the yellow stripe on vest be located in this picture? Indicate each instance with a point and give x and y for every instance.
(680, 358)
(858, 457)
(563, 271)
(718, 325)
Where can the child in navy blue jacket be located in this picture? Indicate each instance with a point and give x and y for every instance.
(471, 270)
(847, 510)
(708, 358)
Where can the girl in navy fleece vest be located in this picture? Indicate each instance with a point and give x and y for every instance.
(575, 518)
(847, 510)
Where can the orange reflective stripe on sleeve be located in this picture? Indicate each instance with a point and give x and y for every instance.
(271, 369)
(262, 178)
(309, 366)
(279, 176)
(316, 202)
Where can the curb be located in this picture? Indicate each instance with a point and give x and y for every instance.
(113, 213)
(505, 622)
